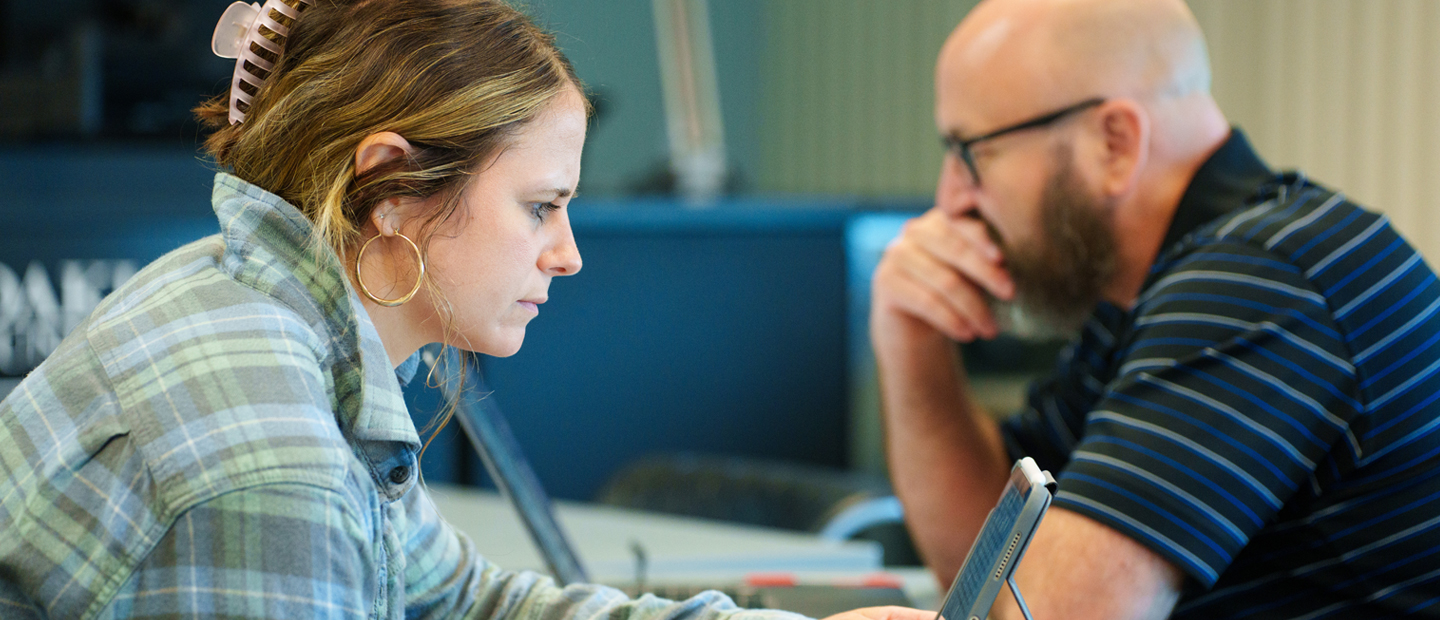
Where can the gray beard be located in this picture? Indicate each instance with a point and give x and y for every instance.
(1061, 273)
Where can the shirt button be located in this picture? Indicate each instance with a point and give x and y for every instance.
(400, 474)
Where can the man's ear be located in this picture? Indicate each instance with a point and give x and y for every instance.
(379, 148)
(1125, 140)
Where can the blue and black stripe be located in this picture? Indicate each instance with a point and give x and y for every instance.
(1267, 415)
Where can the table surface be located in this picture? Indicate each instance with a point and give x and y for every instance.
(679, 550)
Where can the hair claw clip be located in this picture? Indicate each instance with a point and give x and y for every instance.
(235, 36)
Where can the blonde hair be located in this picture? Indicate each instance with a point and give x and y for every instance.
(455, 78)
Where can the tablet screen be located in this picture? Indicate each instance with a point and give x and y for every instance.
(1002, 541)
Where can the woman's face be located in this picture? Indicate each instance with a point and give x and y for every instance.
(493, 261)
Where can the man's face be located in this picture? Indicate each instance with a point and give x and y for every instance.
(1061, 268)
(1055, 231)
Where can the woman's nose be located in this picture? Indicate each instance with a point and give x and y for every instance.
(564, 258)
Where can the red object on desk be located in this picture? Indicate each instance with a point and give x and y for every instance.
(881, 580)
(771, 580)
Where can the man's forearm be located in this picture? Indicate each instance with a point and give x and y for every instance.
(946, 458)
(1079, 569)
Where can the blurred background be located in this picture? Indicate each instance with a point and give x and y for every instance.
(720, 319)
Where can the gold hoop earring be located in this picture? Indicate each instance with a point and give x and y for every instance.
(390, 303)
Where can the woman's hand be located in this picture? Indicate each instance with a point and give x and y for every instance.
(885, 613)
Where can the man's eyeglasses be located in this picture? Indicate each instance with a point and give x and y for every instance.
(961, 148)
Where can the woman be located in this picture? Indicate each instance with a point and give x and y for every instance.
(225, 435)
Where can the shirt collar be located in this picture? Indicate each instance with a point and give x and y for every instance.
(268, 247)
(1228, 180)
(405, 372)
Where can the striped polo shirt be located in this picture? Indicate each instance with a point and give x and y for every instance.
(1265, 416)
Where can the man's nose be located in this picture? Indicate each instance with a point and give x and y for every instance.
(955, 193)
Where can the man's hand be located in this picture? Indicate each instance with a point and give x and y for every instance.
(884, 613)
(930, 290)
(936, 276)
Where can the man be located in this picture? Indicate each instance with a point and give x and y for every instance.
(1245, 424)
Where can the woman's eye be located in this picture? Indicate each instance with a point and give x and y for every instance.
(542, 209)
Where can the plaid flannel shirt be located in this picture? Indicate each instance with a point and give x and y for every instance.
(225, 436)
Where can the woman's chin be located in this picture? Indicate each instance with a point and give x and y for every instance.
(499, 345)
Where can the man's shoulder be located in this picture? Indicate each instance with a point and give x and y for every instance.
(1308, 236)
(1301, 223)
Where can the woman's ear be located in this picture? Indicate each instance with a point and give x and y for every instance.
(379, 148)
(1125, 131)
(385, 216)
(374, 150)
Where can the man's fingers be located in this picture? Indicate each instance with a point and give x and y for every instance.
(922, 300)
(951, 289)
(963, 245)
(996, 276)
(942, 270)
(924, 304)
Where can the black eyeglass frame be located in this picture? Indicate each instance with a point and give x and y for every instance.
(961, 148)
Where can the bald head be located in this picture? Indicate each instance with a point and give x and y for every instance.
(1053, 53)
(1015, 59)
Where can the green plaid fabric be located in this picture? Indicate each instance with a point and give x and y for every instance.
(225, 437)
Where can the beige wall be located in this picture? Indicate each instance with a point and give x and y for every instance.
(847, 94)
(1346, 90)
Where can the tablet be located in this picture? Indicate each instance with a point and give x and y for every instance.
(1002, 541)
